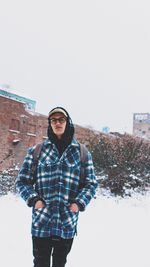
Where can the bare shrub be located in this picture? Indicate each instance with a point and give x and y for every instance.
(123, 161)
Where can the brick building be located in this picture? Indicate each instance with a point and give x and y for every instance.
(141, 125)
(21, 127)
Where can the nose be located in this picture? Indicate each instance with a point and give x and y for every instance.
(57, 121)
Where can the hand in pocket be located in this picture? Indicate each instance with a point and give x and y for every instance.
(39, 204)
(74, 207)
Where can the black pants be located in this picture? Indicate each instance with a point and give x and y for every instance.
(45, 247)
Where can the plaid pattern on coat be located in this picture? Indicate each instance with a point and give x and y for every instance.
(57, 183)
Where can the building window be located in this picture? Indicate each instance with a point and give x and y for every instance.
(14, 125)
(32, 129)
(31, 141)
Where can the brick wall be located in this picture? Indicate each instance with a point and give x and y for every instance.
(19, 130)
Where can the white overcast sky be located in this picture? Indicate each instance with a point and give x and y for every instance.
(91, 57)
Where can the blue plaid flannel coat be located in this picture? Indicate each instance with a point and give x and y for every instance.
(57, 183)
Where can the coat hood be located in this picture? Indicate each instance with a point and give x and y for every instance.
(66, 137)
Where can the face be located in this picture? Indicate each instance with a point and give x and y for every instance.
(58, 123)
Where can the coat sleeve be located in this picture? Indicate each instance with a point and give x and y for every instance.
(87, 192)
(24, 181)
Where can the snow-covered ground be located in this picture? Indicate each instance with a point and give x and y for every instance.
(111, 233)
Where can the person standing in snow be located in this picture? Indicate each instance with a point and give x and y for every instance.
(55, 194)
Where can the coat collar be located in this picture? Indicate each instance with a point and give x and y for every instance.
(74, 143)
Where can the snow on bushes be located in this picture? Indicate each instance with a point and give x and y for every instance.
(122, 162)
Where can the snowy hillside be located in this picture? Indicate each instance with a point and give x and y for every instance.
(111, 233)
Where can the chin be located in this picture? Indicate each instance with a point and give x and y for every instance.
(59, 133)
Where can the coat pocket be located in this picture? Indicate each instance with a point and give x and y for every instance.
(69, 218)
(41, 217)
